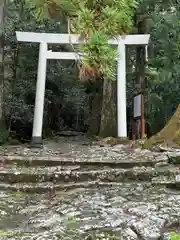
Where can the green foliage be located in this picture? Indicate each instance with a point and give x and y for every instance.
(175, 236)
(105, 57)
(96, 21)
(3, 233)
(162, 84)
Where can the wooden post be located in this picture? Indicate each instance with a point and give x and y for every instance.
(142, 117)
(141, 60)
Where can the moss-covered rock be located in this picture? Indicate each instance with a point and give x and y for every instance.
(169, 135)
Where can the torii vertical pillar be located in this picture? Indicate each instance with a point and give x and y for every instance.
(121, 91)
(40, 92)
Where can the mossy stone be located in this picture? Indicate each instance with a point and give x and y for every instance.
(169, 135)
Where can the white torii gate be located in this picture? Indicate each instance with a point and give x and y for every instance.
(45, 38)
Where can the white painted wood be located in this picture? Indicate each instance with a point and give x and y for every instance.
(136, 39)
(141, 39)
(121, 91)
(40, 91)
(62, 55)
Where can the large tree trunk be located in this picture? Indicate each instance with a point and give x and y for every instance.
(95, 103)
(140, 54)
(108, 125)
(103, 121)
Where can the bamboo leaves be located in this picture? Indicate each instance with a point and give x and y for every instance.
(97, 21)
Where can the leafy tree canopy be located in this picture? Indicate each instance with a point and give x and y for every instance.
(96, 21)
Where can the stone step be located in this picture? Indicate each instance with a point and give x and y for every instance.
(60, 176)
(63, 174)
(83, 162)
(172, 181)
(50, 188)
(39, 169)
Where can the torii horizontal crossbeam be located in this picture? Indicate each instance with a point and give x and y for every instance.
(140, 39)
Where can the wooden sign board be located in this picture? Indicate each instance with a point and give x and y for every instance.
(137, 106)
(138, 117)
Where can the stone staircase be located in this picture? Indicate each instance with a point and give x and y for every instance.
(40, 174)
(98, 192)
